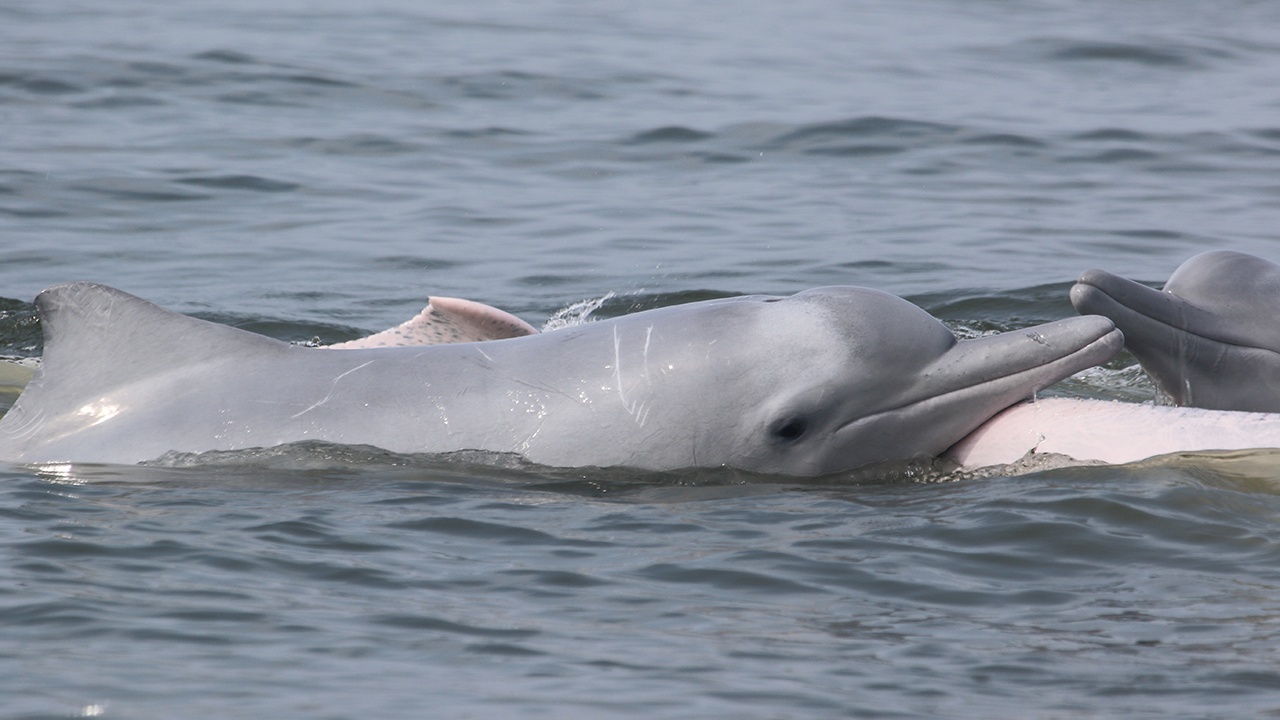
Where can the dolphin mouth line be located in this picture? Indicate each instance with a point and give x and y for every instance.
(1104, 347)
(1180, 326)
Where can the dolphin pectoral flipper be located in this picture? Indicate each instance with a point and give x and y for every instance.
(446, 320)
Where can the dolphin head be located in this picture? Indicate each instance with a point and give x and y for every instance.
(840, 377)
(1210, 339)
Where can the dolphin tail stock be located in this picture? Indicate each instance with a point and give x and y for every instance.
(446, 320)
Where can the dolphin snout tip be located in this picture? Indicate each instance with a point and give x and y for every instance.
(1094, 276)
(1081, 296)
(1098, 325)
(1093, 339)
(1083, 329)
(1089, 295)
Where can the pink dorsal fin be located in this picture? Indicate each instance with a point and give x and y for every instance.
(447, 320)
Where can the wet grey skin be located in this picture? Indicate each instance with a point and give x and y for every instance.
(1210, 338)
(822, 381)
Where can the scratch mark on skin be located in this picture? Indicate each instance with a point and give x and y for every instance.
(484, 354)
(617, 368)
(638, 411)
(332, 386)
(547, 389)
(31, 423)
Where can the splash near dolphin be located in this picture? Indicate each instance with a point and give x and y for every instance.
(822, 381)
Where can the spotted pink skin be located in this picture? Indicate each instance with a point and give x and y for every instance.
(446, 320)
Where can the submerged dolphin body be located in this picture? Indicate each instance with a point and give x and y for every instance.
(822, 381)
(1210, 339)
(1110, 432)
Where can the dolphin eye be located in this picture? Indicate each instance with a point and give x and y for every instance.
(790, 429)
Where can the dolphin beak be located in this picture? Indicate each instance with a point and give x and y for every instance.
(1017, 364)
(1145, 314)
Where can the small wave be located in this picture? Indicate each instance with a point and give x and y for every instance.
(1113, 134)
(358, 144)
(230, 57)
(119, 102)
(261, 98)
(1005, 139)
(489, 531)
(833, 138)
(485, 132)
(671, 133)
(143, 189)
(427, 622)
(1117, 155)
(1164, 55)
(515, 84)
(725, 579)
(40, 84)
(239, 182)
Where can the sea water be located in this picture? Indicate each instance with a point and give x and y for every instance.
(315, 170)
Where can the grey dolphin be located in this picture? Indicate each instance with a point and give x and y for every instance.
(1210, 339)
(822, 381)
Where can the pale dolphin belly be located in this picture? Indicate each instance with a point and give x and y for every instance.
(1110, 432)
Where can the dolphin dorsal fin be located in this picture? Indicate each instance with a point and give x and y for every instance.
(98, 329)
(98, 339)
(447, 320)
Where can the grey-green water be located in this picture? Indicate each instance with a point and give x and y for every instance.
(316, 169)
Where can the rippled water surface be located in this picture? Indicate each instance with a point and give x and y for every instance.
(316, 169)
